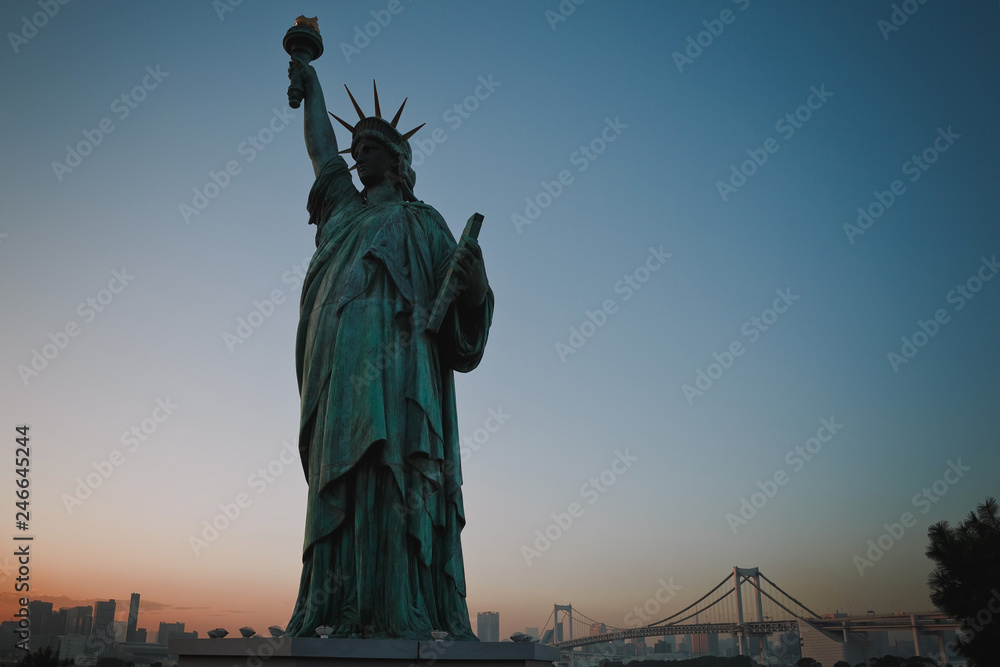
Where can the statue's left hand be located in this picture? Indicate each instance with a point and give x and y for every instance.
(468, 264)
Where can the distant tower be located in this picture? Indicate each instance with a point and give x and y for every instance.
(167, 630)
(567, 610)
(103, 629)
(79, 620)
(133, 618)
(488, 626)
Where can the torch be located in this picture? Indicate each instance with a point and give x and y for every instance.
(303, 43)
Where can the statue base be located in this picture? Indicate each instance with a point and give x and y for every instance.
(309, 652)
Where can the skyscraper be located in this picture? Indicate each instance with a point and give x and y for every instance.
(103, 631)
(133, 618)
(488, 626)
(79, 620)
(167, 630)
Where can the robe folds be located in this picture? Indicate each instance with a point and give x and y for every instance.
(382, 555)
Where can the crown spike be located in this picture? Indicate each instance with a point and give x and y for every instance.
(395, 119)
(350, 128)
(353, 168)
(413, 131)
(344, 152)
(361, 114)
(378, 109)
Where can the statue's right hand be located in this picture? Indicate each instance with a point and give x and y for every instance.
(299, 68)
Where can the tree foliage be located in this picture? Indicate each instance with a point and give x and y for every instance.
(43, 657)
(965, 583)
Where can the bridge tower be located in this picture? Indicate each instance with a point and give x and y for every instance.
(741, 574)
(566, 609)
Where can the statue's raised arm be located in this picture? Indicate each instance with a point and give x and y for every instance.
(321, 142)
(304, 44)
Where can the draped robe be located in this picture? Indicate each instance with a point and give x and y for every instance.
(378, 438)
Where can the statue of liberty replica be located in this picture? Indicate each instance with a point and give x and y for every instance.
(378, 437)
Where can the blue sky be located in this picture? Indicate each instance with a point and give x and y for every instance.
(202, 85)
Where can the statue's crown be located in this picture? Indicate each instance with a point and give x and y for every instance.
(376, 127)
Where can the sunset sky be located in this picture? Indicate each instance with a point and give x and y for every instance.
(738, 247)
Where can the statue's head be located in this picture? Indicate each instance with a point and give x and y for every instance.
(376, 130)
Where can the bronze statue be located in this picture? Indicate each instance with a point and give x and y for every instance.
(378, 433)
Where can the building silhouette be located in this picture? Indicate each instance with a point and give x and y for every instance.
(103, 630)
(79, 620)
(133, 618)
(488, 626)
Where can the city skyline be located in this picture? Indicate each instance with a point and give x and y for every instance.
(743, 259)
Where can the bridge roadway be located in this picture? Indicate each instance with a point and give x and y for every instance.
(926, 622)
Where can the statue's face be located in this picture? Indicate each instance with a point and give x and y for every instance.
(374, 162)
